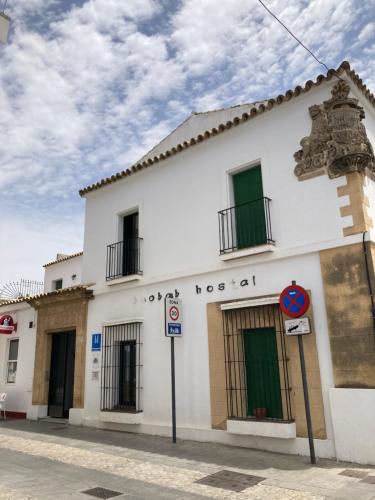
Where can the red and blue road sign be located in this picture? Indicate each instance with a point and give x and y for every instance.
(294, 301)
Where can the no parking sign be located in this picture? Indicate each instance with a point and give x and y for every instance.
(294, 301)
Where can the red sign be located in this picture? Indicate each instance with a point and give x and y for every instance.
(7, 325)
(174, 313)
(294, 301)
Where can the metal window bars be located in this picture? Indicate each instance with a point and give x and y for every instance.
(124, 258)
(245, 225)
(121, 377)
(257, 382)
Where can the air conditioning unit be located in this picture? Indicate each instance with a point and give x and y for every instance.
(4, 27)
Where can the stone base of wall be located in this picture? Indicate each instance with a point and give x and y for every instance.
(353, 419)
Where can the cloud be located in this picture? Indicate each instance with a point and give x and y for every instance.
(86, 90)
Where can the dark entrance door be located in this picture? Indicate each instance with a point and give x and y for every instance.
(249, 202)
(130, 249)
(127, 375)
(262, 373)
(60, 397)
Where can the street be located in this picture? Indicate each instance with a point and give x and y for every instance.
(49, 459)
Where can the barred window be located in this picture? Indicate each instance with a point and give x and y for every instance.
(121, 368)
(256, 364)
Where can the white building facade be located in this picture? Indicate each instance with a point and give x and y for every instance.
(17, 348)
(174, 224)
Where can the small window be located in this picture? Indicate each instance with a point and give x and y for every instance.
(57, 284)
(12, 361)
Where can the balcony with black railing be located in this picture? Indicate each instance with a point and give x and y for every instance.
(244, 226)
(124, 258)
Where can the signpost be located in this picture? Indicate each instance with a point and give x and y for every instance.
(294, 302)
(173, 328)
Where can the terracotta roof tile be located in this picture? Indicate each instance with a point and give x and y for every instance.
(255, 111)
(67, 257)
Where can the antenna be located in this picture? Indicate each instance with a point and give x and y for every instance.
(20, 289)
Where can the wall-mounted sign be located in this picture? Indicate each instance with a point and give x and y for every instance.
(299, 326)
(7, 324)
(96, 342)
(173, 317)
(294, 301)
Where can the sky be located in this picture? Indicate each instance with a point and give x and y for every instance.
(88, 87)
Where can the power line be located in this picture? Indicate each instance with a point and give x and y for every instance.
(297, 39)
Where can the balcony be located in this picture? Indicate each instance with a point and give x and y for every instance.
(124, 259)
(245, 226)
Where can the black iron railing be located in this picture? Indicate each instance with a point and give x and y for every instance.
(256, 364)
(124, 258)
(245, 225)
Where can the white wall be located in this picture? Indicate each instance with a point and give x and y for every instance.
(179, 198)
(19, 393)
(353, 413)
(126, 301)
(63, 270)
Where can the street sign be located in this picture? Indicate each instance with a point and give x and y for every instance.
(300, 326)
(294, 301)
(173, 317)
(96, 342)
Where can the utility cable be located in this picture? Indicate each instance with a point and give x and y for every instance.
(297, 39)
(371, 294)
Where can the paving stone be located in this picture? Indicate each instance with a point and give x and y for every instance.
(99, 492)
(229, 480)
(369, 480)
(360, 474)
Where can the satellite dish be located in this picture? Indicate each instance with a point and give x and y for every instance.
(4, 25)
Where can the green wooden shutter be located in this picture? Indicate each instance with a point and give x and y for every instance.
(249, 212)
(262, 372)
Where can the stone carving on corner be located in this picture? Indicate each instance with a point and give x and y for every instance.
(338, 143)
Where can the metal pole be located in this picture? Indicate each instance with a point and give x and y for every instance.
(173, 392)
(306, 399)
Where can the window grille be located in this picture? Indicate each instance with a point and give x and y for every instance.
(121, 383)
(256, 364)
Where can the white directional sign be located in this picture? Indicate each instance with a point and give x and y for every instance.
(298, 326)
(173, 317)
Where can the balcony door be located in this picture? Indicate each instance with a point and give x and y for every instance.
(249, 211)
(130, 255)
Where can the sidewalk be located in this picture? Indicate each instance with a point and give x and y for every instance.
(50, 459)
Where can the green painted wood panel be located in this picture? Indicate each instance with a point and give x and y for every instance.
(262, 372)
(250, 217)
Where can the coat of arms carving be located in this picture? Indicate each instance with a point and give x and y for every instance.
(338, 143)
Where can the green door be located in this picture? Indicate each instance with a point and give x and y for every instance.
(249, 212)
(262, 372)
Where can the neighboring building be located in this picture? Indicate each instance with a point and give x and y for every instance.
(43, 343)
(17, 348)
(59, 381)
(219, 215)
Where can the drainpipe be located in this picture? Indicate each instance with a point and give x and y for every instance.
(368, 279)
